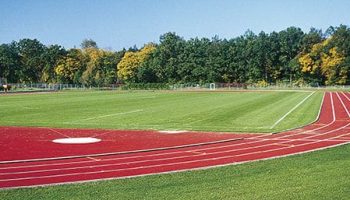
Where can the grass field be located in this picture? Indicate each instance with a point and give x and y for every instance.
(203, 111)
(318, 175)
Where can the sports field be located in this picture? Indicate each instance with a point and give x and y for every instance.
(317, 175)
(268, 111)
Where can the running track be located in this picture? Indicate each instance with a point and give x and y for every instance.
(30, 158)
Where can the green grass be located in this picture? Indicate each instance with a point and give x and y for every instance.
(318, 175)
(203, 111)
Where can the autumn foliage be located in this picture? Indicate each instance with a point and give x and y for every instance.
(132, 60)
(290, 57)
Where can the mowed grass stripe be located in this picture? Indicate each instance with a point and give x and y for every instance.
(291, 110)
(202, 111)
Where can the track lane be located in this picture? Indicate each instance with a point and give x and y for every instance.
(321, 135)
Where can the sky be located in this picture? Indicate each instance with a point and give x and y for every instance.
(117, 24)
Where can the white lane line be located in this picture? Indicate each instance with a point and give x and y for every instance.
(93, 160)
(66, 163)
(173, 171)
(341, 101)
(197, 153)
(256, 137)
(123, 152)
(57, 132)
(161, 165)
(196, 150)
(346, 96)
(110, 115)
(100, 134)
(333, 110)
(276, 138)
(291, 110)
(254, 152)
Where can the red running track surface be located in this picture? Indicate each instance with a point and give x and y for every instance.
(30, 158)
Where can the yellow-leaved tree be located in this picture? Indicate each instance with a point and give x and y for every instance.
(311, 62)
(69, 66)
(325, 60)
(331, 69)
(92, 75)
(132, 60)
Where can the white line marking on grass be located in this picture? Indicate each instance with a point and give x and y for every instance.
(291, 110)
(110, 115)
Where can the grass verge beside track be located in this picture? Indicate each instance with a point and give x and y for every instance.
(317, 175)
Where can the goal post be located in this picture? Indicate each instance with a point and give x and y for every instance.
(212, 86)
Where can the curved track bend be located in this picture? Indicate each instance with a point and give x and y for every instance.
(29, 157)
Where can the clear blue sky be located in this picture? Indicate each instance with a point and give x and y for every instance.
(122, 23)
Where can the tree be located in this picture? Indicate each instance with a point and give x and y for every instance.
(167, 57)
(313, 37)
(341, 40)
(70, 68)
(290, 42)
(285, 56)
(9, 62)
(310, 63)
(127, 67)
(51, 55)
(100, 67)
(325, 60)
(331, 67)
(88, 43)
(30, 52)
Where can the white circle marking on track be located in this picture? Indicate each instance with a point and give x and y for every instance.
(77, 140)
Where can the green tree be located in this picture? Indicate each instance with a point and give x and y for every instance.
(167, 57)
(30, 52)
(10, 62)
(51, 55)
(290, 41)
(88, 43)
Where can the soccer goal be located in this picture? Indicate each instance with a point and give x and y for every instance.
(212, 86)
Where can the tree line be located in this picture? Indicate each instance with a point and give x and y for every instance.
(289, 56)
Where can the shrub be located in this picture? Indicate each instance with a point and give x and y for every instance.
(145, 86)
(262, 83)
